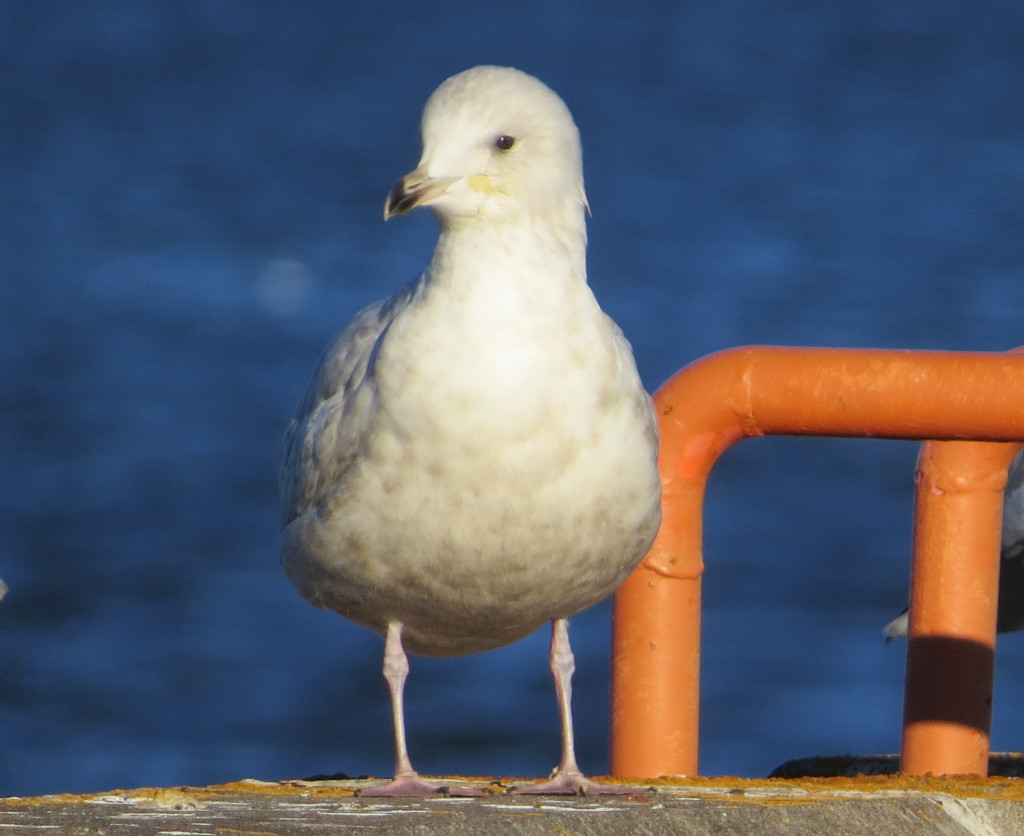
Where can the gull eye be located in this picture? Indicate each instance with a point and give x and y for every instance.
(504, 142)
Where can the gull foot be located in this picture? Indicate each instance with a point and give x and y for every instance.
(413, 786)
(573, 783)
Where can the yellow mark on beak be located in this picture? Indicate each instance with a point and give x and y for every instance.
(485, 184)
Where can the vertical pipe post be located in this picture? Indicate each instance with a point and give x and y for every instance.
(954, 578)
(649, 690)
(656, 637)
(657, 614)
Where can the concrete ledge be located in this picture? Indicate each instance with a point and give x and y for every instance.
(836, 806)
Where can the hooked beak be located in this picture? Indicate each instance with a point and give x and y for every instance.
(415, 189)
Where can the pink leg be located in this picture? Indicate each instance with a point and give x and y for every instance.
(407, 781)
(567, 780)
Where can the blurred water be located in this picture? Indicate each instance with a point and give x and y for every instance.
(190, 199)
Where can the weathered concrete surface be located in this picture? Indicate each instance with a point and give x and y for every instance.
(837, 807)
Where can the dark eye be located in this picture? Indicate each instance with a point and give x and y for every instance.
(504, 142)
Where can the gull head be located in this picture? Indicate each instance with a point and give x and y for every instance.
(496, 143)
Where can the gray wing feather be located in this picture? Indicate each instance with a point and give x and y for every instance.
(324, 436)
(1013, 509)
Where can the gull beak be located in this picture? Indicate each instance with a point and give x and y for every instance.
(415, 189)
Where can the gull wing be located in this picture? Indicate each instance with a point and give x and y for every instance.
(331, 422)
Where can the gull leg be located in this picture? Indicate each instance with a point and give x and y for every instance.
(567, 780)
(407, 781)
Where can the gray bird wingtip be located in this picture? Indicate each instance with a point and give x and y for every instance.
(897, 628)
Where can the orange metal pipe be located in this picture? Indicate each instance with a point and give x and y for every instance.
(703, 410)
(954, 582)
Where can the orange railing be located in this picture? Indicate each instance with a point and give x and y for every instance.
(720, 399)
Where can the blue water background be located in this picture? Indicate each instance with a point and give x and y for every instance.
(190, 206)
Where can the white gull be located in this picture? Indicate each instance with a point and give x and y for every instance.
(476, 455)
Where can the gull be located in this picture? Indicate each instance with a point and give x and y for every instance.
(476, 456)
(1010, 616)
